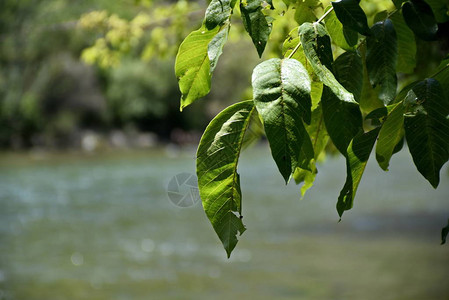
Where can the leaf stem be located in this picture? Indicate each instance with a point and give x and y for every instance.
(294, 50)
(325, 15)
(440, 70)
(318, 21)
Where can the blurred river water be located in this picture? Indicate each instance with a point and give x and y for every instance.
(102, 227)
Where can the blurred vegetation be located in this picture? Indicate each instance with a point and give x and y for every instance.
(68, 68)
(71, 67)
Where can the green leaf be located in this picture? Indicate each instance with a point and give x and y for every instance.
(192, 66)
(343, 37)
(319, 138)
(290, 43)
(254, 131)
(406, 45)
(218, 12)
(427, 132)
(440, 9)
(317, 48)
(444, 233)
(381, 59)
(369, 100)
(419, 17)
(398, 3)
(216, 166)
(351, 15)
(343, 120)
(348, 69)
(304, 11)
(282, 96)
(305, 176)
(358, 153)
(215, 47)
(256, 23)
(443, 75)
(287, 47)
(381, 16)
(390, 135)
(270, 2)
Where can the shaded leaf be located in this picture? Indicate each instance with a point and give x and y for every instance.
(282, 96)
(356, 159)
(398, 3)
(343, 120)
(443, 75)
(351, 15)
(444, 233)
(381, 59)
(192, 66)
(390, 135)
(419, 17)
(369, 100)
(218, 12)
(219, 183)
(317, 48)
(348, 69)
(215, 47)
(343, 37)
(380, 114)
(381, 16)
(255, 23)
(427, 132)
(440, 10)
(406, 45)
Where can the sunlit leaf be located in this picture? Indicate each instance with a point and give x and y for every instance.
(192, 66)
(419, 17)
(317, 48)
(219, 183)
(381, 59)
(304, 11)
(351, 15)
(427, 132)
(358, 153)
(390, 135)
(282, 96)
(319, 138)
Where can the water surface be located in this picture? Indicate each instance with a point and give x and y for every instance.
(102, 227)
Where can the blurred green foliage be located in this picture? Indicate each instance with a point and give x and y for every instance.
(56, 83)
